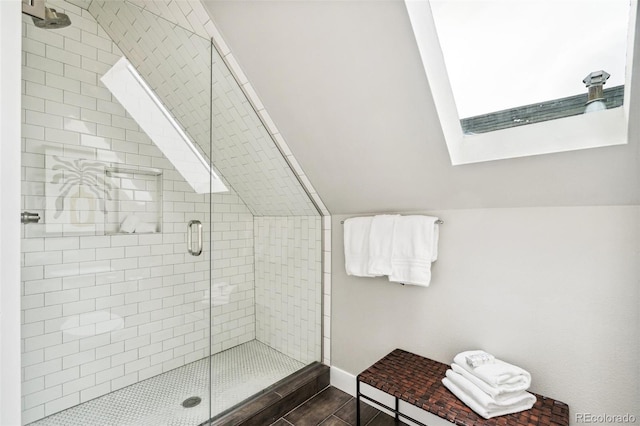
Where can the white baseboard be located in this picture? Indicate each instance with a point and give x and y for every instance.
(342, 380)
(346, 382)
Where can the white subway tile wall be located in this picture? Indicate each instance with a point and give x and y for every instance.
(101, 312)
(288, 285)
(174, 62)
(326, 290)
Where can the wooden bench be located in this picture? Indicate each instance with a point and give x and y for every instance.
(418, 381)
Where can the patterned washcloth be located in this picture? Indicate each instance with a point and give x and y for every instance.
(479, 358)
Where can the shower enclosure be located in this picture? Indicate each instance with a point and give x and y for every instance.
(171, 260)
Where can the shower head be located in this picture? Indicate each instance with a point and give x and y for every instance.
(52, 20)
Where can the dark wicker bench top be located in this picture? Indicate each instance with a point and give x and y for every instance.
(418, 381)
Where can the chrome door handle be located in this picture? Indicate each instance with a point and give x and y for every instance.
(198, 249)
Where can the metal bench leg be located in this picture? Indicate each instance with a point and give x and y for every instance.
(397, 420)
(357, 402)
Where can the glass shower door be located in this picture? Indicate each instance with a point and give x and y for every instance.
(116, 233)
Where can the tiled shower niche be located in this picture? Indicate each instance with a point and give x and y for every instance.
(133, 200)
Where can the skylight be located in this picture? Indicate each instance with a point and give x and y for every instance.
(496, 57)
(143, 105)
(502, 54)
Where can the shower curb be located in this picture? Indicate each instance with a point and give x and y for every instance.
(277, 400)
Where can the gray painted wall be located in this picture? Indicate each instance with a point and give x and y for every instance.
(554, 290)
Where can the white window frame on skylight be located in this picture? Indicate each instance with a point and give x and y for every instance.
(599, 129)
(135, 95)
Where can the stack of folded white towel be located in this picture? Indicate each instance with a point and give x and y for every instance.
(489, 386)
(402, 247)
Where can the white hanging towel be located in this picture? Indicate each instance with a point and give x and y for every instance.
(415, 247)
(356, 246)
(381, 244)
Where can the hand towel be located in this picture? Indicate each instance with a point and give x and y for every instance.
(129, 224)
(381, 244)
(500, 394)
(415, 246)
(356, 246)
(484, 412)
(499, 374)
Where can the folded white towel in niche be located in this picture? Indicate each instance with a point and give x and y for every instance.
(129, 224)
(356, 246)
(381, 244)
(145, 227)
(500, 374)
(486, 409)
(415, 247)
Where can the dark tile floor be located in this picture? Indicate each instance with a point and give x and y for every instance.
(332, 407)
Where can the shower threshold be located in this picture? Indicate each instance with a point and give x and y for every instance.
(236, 374)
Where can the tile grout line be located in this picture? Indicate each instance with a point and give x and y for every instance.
(302, 403)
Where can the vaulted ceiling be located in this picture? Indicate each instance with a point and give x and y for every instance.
(344, 83)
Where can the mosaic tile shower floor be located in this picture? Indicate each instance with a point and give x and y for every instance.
(237, 373)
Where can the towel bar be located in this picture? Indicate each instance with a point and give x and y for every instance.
(439, 222)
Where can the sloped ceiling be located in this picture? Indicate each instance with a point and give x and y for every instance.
(164, 41)
(344, 83)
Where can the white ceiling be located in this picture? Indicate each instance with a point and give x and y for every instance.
(344, 83)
